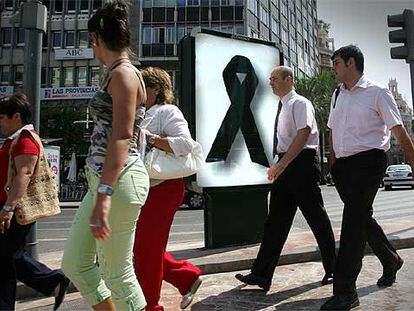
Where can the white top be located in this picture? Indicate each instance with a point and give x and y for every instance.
(167, 120)
(362, 118)
(297, 113)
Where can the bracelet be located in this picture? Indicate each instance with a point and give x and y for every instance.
(8, 208)
(151, 139)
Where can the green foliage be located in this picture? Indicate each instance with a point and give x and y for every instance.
(318, 90)
(57, 121)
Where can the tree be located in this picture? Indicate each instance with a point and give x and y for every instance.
(319, 89)
(57, 121)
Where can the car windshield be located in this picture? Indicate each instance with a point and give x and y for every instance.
(399, 168)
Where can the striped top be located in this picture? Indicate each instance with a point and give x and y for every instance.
(100, 107)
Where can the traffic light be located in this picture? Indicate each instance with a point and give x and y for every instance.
(404, 35)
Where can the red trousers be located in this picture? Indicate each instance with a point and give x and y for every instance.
(152, 263)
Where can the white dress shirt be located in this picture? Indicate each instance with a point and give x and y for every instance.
(297, 113)
(362, 118)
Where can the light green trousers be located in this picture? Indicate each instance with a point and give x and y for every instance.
(101, 269)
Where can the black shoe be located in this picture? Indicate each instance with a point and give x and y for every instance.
(251, 279)
(64, 284)
(389, 275)
(341, 302)
(327, 279)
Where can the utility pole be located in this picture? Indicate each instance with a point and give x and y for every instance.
(32, 17)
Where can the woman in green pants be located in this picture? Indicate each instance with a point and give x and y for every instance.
(104, 227)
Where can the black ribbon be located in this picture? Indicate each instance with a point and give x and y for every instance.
(241, 82)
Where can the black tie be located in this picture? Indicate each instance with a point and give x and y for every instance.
(279, 108)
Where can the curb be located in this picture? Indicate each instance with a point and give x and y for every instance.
(300, 255)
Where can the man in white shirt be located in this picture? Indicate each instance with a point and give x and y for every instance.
(362, 115)
(295, 183)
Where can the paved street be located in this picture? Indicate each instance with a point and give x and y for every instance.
(188, 226)
(295, 287)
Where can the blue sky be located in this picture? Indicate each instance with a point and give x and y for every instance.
(364, 23)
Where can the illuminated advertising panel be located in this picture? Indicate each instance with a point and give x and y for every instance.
(235, 108)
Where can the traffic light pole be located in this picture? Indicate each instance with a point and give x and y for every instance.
(412, 81)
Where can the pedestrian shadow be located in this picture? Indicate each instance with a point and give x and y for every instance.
(249, 299)
(255, 299)
(315, 304)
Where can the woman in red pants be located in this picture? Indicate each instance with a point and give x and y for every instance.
(166, 129)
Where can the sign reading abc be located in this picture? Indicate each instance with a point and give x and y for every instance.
(56, 93)
(235, 107)
(65, 54)
(6, 90)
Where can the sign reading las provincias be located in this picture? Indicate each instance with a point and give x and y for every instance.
(56, 93)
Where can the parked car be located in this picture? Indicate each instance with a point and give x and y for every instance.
(193, 200)
(398, 175)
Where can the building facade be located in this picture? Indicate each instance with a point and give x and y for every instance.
(293, 24)
(395, 154)
(326, 46)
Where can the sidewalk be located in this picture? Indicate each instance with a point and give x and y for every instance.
(295, 287)
(300, 247)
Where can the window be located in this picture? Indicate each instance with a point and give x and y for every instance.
(6, 36)
(285, 38)
(45, 40)
(170, 38)
(181, 3)
(94, 76)
(71, 6)
(20, 36)
(96, 4)
(70, 39)
(58, 6)
(4, 74)
(155, 35)
(146, 35)
(275, 27)
(8, 5)
(193, 2)
(252, 6)
(68, 76)
(83, 39)
(82, 76)
(56, 39)
(264, 15)
(55, 77)
(180, 33)
(159, 3)
(84, 5)
(18, 74)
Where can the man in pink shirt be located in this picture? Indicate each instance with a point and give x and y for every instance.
(363, 115)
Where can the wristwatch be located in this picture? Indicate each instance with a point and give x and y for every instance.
(8, 208)
(105, 189)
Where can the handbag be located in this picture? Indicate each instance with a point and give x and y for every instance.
(41, 197)
(164, 165)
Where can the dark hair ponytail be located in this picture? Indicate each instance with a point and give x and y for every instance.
(111, 23)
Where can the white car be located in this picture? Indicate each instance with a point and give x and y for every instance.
(398, 175)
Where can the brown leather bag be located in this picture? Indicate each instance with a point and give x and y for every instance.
(41, 197)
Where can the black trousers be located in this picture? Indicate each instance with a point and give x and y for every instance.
(297, 186)
(357, 179)
(17, 264)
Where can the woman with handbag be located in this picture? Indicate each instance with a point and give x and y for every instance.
(104, 226)
(165, 129)
(22, 183)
